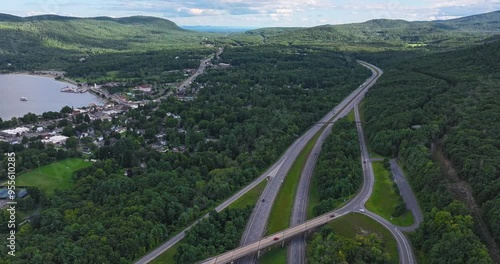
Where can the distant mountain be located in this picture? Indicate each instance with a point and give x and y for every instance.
(217, 29)
(391, 32)
(123, 20)
(484, 22)
(99, 34)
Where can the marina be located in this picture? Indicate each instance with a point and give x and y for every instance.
(69, 89)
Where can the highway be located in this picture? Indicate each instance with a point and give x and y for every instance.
(257, 223)
(296, 252)
(275, 174)
(405, 250)
(406, 255)
(296, 249)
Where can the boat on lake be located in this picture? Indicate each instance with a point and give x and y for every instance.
(23, 99)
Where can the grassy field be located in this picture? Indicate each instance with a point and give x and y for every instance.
(251, 197)
(350, 116)
(282, 207)
(384, 198)
(168, 256)
(275, 256)
(56, 175)
(353, 224)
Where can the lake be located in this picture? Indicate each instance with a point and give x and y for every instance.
(43, 93)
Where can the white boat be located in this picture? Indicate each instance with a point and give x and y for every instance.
(24, 99)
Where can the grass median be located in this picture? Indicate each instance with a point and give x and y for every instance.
(249, 198)
(274, 256)
(281, 212)
(385, 198)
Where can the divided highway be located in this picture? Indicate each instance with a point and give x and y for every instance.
(297, 249)
(256, 225)
(275, 174)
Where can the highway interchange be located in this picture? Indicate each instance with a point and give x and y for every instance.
(256, 225)
(296, 252)
(254, 231)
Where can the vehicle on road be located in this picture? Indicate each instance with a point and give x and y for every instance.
(276, 238)
(263, 200)
(332, 215)
(361, 209)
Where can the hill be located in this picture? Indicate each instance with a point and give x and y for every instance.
(100, 34)
(391, 33)
(55, 42)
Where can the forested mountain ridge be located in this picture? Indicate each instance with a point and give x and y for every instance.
(451, 98)
(91, 34)
(122, 20)
(440, 33)
(57, 42)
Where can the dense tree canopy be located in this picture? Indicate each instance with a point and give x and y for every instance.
(326, 247)
(243, 119)
(443, 101)
(338, 171)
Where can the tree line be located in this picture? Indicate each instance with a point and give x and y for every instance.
(443, 101)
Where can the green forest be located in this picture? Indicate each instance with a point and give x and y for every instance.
(435, 107)
(444, 101)
(250, 117)
(326, 247)
(338, 172)
(385, 34)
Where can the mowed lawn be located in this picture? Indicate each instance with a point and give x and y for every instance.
(384, 198)
(56, 175)
(277, 255)
(249, 198)
(281, 211)
(355, 224)
(167, 256)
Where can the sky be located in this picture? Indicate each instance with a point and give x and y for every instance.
(256, 13)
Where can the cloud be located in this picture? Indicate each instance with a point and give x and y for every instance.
(464, 7)
(262, 12)
(179, 8)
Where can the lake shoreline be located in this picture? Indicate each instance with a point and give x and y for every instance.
(43, 92)
(45, 74)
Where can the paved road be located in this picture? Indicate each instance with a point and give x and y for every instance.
(255, 228)
(275, 174)
(408, 196)
(201, 70)
(296, 253)
(355, 205)
(405, 250)
(188, 81)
